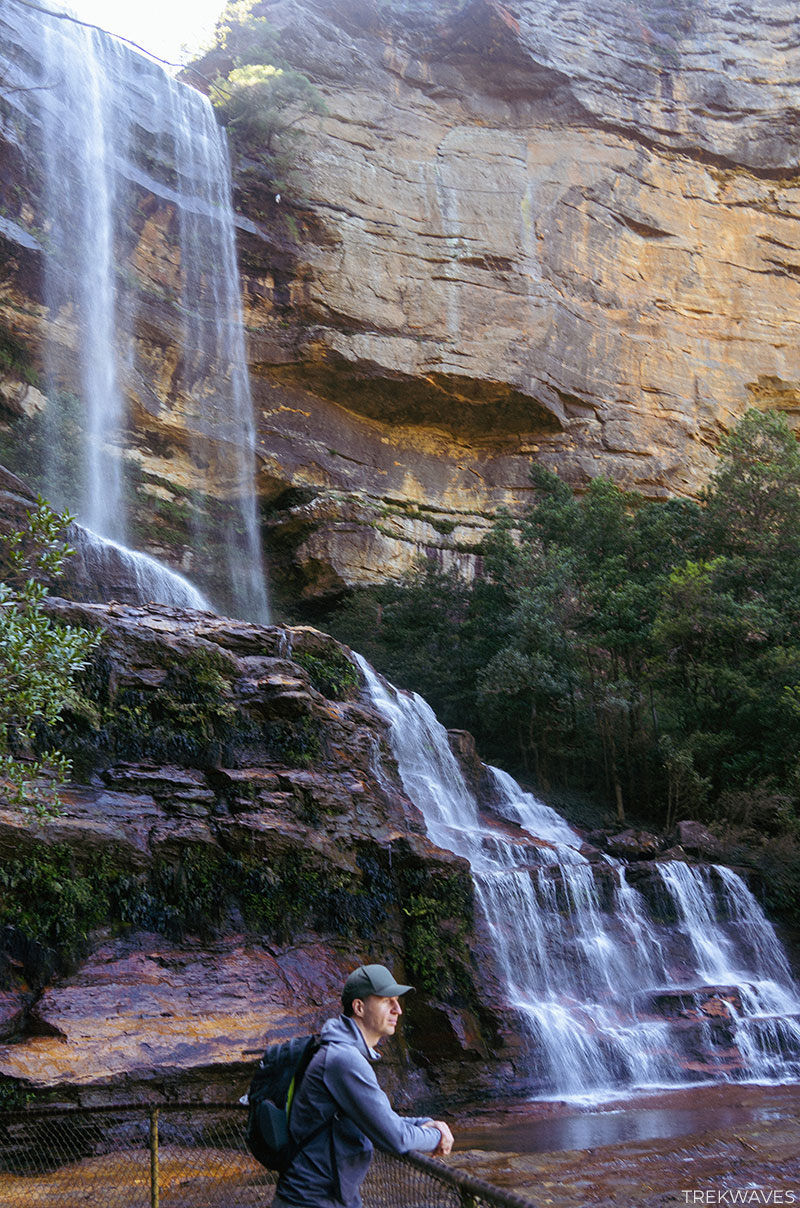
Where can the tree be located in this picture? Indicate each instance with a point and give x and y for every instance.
(752, 503)
(262, 100)
(262, 104)
(39, 659)
(752, 512)
(574, 671)
(726, 639)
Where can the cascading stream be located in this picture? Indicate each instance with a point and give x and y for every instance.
(118, 136)
(677, 978)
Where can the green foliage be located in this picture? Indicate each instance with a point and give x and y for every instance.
(261, 104)
(436, 909)
(15, 357)
(241, 33)
(294, 743)
(428, 632)
(14, 1096)
(304, 891)
(188, 718)
(647, 653)
(190, 894)
(331, 673)
(39, 659)
(51, 901)
(261, 99)
(54, 903)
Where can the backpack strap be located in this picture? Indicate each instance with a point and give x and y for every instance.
(298, 1146)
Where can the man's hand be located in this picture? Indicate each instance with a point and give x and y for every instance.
(446, 1143)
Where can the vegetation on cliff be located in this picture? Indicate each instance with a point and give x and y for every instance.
(39, 659)
(233, 797)
(644, 652)
(259, 97)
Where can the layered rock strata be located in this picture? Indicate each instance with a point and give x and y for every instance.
(528, 231)
(523, 230)
(246, 843)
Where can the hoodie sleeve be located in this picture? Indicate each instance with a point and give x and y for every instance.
(352, 1083)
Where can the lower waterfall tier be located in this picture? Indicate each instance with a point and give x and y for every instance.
(663, 973)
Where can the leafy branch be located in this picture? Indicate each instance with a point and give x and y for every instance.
(39, 660)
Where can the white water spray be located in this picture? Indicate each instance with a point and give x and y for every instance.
(613, 987)
(119, 136)
(137, 578)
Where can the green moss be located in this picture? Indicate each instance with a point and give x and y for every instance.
(14, 1096)
(188, 719)
(15, 357)
(437, 910)
(304, 890)
(331, 673)
(296, 744)
(187, 895)
(53, 903)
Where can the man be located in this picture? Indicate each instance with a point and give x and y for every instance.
(340, 1087)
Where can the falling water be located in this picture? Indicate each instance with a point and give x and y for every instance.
(119, 135)
(80, 137)
(678, 978)
(136, 577)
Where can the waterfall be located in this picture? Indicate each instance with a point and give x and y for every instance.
(678, 978)
(119, 138)
(136, 577)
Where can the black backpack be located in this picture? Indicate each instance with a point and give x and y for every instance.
(277, 1078)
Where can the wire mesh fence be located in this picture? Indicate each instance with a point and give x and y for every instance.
(187, 1156)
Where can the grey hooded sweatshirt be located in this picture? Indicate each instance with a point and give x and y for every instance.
(340, 1086)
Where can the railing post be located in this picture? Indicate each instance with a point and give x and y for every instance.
(154, 1157)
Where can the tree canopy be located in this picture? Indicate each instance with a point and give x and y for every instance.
(645, 652)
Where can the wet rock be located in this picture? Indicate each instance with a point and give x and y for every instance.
(704, 1002)
(441, 1032)
(13, 1007)
(268, 874)
(476, 773)
(694, 838)
(634, 845)
(145, 1008)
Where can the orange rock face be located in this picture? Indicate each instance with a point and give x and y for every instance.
(529, 233)
(521, 232)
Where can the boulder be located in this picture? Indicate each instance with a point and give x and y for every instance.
(634, 845)
(697, 840)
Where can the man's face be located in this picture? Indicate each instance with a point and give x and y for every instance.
(379, 1016)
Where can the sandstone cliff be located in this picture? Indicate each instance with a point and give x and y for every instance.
(526, 230)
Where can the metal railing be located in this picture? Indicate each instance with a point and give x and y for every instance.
(187, 1155)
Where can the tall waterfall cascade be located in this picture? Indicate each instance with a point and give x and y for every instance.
(116, 134)
(677, 978)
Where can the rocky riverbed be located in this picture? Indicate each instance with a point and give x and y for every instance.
(705, 1145)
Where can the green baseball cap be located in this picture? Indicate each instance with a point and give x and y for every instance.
(372, 979)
